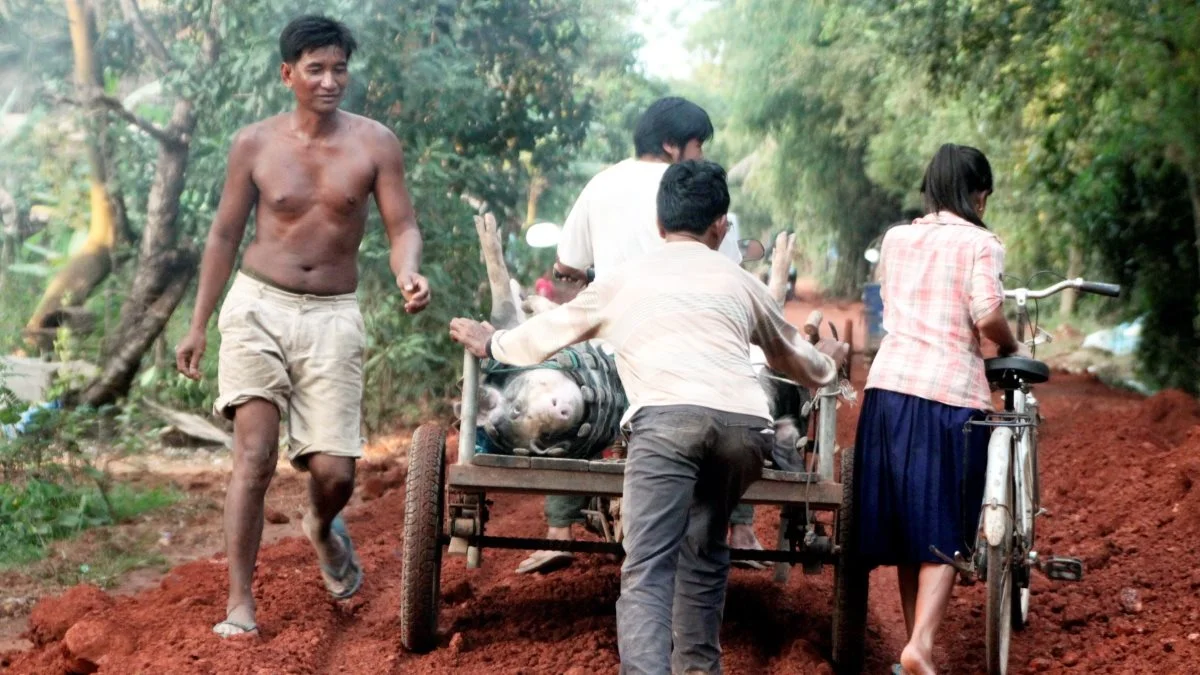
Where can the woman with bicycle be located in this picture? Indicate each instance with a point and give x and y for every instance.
(918, 477)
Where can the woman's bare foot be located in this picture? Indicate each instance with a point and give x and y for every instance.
(916, 661)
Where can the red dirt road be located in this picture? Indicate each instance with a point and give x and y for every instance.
(1121, 482)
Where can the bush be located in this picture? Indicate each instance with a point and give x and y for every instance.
(36, 511)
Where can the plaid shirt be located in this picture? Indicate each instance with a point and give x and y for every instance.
(938, 277)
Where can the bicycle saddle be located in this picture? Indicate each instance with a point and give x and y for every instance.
(1009, 372)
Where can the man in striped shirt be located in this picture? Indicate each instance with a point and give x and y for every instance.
(681, 320)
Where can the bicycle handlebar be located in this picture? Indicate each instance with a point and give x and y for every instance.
(1099, 288)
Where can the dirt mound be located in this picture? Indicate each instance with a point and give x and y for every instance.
(52, 617)
(91, 643)
(377, 477)
(1172, 414)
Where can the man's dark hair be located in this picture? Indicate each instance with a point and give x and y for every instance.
(309, 32)
(692, 195)
(955, 175)
(670, 120)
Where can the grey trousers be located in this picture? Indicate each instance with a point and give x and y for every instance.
(687, 467)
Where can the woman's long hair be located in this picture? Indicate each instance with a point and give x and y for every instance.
(955, 176)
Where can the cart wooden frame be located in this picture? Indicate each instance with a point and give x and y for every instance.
(446, 507)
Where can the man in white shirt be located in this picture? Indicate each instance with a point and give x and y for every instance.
(614, 220)
(681, 319)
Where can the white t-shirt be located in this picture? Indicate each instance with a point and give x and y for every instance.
(615, 219)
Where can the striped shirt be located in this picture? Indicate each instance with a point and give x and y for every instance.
(681, 320)
(938, 277)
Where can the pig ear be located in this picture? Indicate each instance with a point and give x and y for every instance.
(489, 400)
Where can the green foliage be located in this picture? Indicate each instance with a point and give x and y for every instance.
(36, 512)
(804, 97)
(1086, 108)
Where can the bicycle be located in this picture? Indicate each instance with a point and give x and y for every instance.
(1006, 554)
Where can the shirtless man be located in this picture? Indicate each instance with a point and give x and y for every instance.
(292, 335)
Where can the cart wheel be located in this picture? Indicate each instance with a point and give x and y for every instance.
(850, 583)
(424, 505)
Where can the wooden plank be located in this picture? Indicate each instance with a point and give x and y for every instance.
(503, 461)
(469, 478)
(790, 476)
(192, 426)
(536, 481)
(607, 466)
(556, 464)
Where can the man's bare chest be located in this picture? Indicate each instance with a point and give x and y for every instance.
(292, 181)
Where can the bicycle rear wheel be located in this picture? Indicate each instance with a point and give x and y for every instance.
(1001, 592)
(1024, 504)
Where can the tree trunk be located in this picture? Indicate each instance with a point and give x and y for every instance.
(537, 187)
(1074, 268)
(87, 268)
(160, 285)
(163, 272)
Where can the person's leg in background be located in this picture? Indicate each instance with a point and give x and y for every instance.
(741, 535)
(562, 513)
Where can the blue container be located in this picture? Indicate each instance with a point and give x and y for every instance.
(873, 311)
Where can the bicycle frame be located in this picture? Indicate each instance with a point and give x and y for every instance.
(1008, 475)
(1012, 493)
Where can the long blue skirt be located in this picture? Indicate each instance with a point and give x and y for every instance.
(918, 478)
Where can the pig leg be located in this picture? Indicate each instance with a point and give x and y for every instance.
(781, 260)
(536, 304)
(505, 312)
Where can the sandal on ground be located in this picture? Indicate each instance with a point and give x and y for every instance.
(752, 564)
(227, 629)
(545, 562)
(343, 583)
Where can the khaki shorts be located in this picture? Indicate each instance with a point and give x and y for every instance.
(303, 353)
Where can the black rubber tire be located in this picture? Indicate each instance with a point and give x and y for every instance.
(998, 616)
(850, 583)
(424, 508)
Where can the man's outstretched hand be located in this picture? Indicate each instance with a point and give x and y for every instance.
(415, 289)
(472, 335)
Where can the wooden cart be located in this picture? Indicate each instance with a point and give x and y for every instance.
(446, 507)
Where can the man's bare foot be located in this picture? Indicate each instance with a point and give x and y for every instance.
(238, 621)
(742, 536)
(916, 661)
